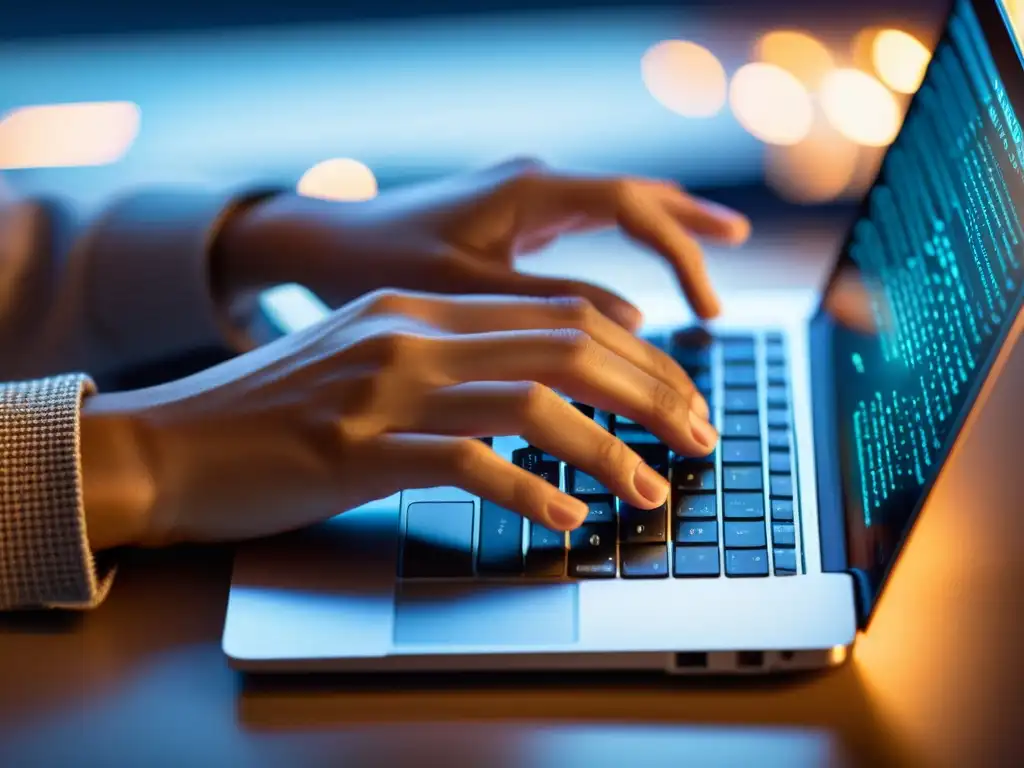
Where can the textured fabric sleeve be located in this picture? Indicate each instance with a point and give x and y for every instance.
(45, 559)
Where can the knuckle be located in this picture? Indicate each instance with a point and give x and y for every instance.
(576, 346)
(612, 457)
(396, 350)
(666, 403)
(576, 311)
(467, 457)
(535, 399)
(529, 494)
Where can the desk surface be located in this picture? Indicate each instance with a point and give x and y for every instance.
(937, 679)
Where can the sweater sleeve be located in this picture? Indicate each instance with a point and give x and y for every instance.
(45, 558)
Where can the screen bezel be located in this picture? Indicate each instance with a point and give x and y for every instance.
(998, 33)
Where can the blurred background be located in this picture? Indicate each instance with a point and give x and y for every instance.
(788, 102)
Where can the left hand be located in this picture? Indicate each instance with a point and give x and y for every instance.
(462, 235)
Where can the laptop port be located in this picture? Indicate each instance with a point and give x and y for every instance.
(750, 659)
(691, 660)
(786, 655)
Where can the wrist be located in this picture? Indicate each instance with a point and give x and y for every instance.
(118, 491)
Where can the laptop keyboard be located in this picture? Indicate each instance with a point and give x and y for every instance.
(732, 514)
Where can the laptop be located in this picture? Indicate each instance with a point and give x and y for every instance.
(836, 419)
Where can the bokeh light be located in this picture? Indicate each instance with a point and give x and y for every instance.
(341, 179)
(860, 107)
(685, 77)
(900, 59)
(798, 53)
(68, 135)
(817, 170)
(771, 104)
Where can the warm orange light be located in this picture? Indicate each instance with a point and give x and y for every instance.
(66, 135)
(684, 77)
(771, 104)
(860, 107)
(900, 59)
(816, 170)
(796, 52)
(340, 179)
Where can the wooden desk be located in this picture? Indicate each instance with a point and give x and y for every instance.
(936, 681)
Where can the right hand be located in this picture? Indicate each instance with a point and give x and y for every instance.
(384, 395)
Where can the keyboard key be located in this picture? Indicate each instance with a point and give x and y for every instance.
(534, 461)
(648, 561)
(690, 533)
(785, 561)
(592, 564)
(782, 509)
(545, 555)
(643, 526)
(746, 562)
(741, 451)
(656, 455)
(776, 374)
(582, 484)
(740, 376)
(778, 397)
(691, 348)
(592, 551)
(697, 506)
(704, 383)
(783, 535)
(601, 510)
(741, 478)
(775, 354)
(778, 461)
(781, 486)
(691, 476)
(696, 561)
(744, 535)
(738, 353)
(740, 401)
(501, 540)
(778, 418)
(586, 410)
(737, 425)
(778, 439)
(743, 506)
(438, 540)
(593, 536)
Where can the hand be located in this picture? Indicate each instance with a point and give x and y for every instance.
(462, 235)
(384, 394)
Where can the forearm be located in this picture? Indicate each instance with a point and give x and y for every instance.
(135, 287)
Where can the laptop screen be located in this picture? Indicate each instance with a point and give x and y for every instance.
(928, 285)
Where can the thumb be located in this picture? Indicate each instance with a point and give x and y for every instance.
(491, 280)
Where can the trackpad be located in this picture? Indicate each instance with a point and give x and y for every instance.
(485, 614)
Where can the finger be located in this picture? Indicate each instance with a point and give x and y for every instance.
(639, 208)
(573, 363)
(544, 420)
(658, 230)
(707, 219)
(400, 462)
(476, 315)
(486, 278)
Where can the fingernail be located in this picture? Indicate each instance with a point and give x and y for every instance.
(703, 431)
(566, 514)
(650, 484)
(700, 406)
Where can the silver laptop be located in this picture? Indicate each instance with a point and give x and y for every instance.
(836, 419)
